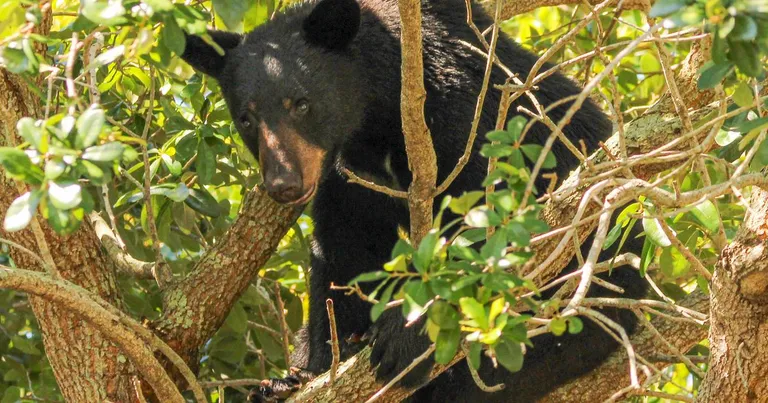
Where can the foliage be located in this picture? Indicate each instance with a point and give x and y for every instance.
(122, 90)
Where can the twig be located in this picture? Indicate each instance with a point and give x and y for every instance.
(677, 353)
(476, 377)
(283, 325)
(160, 270)
(353, 178)
(231, 383)
(334, 339)
(400, 376)
(478, 106)
(689, 256)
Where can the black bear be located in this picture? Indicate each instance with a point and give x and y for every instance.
(317, 89)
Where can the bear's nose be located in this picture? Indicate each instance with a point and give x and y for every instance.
(285, 189)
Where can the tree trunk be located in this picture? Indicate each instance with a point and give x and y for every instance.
(88, 368)
(739, 309)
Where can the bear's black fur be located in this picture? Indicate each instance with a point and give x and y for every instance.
(318, 89)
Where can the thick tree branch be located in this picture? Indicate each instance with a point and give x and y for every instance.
(71, 344)
(739, 313)
(195, 307)
(77, 300)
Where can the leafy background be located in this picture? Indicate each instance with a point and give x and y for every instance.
(88, 155)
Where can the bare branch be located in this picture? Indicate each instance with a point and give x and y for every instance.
(418, 141)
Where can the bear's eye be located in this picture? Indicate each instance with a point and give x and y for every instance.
(302, 106)
(245, 122)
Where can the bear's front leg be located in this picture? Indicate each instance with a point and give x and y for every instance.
(394, 347)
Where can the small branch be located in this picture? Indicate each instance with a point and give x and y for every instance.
(476, 377)
(334, 339)
(160, 271)
(353, 178)
(123, 261)
(402, 374)
(230, 383)
(283, 325)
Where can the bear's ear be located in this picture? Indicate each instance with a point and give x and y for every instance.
(332, 23)
(203, 57)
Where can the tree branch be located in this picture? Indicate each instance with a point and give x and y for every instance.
(195, 307)
(511, 8)
(418, 141)
(739, 333)
(77, 300)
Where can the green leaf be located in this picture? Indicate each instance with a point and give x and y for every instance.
(461, 205)
(532, 152)
(64, 196)
(475, 311)
(646, 256)
(380, 306)
(103, 12)
(496, 150)
(515, 126)
(54, 168)
(21, 211)
(706, 213)
(712, 74)
(202, 202)
(475, 349)
(663, 8)
(654, 232)
(12, 395)
(518, 234)
(464, 253)
(495, 247)
(398, 264)
(172, 37)
(558, 326)
(745, 29)
(612, 236)
(446, 345)
(106, 58)
(237, 320)
(443, 315)
(428, 247)
(16, 61)
(482, 217)
(575, 325)
(743, 95)
(25, 345)
(231, 11)
(510, 355)
(104, 153)
(502, 136)
(370, 276)
(673, 263)
(205, 165)
(723, 138)
(466, 280)
(92, 170)
(18, 165)
(32, 134)
(89, 126)
(746, 56)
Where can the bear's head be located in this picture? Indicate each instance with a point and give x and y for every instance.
(293, 89)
